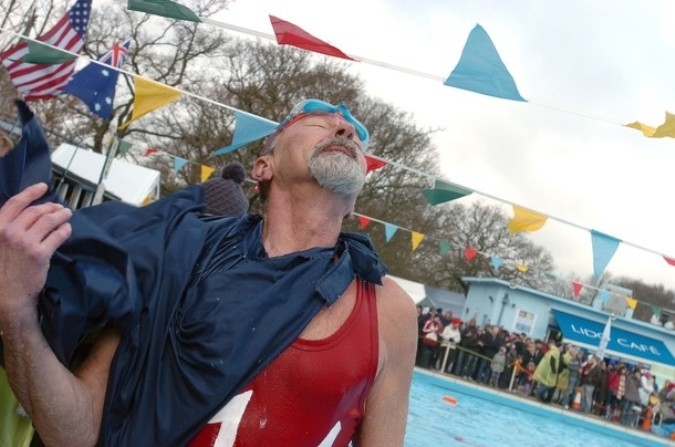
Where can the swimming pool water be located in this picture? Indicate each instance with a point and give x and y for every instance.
(478, 422)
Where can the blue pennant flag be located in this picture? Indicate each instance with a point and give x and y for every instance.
(247, 129)
(604, 247)
(95, 84)
(481, 70)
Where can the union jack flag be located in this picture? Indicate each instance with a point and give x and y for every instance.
(41, 81)
(95, 84)
(116, 56)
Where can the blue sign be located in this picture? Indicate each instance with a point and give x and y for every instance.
(589, 332)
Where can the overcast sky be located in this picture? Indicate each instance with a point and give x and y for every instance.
(585, 68)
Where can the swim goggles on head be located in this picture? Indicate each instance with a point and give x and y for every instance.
(311, 106)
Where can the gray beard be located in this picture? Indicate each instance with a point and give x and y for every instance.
(336, 171)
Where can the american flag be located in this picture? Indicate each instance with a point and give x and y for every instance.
(40, 81)
(95, 83)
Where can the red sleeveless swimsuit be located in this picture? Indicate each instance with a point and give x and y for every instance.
(313, 394)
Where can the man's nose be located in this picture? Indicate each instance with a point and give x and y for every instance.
(344, 128)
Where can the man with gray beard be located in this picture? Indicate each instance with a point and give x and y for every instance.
(272, 330)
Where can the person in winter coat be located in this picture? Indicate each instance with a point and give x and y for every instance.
(497, 366)
(450, 337)
(630, 408)
(591, 375)
(646, 388)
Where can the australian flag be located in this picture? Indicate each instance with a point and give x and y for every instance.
(95, 83)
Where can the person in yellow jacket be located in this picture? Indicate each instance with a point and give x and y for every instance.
(546, 374)
(562, 383)
(16, 430)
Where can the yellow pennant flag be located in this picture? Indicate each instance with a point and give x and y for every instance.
(206, 172)
(667, 129)
(416, 239)
(525, 220)
(646, 130)
(148, 96)
(522, 268)
(632, 302)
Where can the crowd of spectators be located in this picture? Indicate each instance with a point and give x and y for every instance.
(549, 371)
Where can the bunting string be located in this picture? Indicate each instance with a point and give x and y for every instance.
(417, 237)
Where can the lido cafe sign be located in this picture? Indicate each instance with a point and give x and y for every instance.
(640, 346)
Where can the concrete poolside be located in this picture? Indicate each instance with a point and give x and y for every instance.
(531, 405)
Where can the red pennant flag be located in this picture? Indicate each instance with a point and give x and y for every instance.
(670, 261)
(470, 253)
(373, 163)
(289, 34)
(149, 151)
(363, 221)
(576, 289)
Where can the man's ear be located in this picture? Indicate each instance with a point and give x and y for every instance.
(262, 169)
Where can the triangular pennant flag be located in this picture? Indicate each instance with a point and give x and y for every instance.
(164, 8)
(389, 231)
(670, 261)
(95, 83)
(604, 295)
(550, 276)
(525, 220)
(373, 163)
(604, 247)
(123, 148)
(206, 172)
(470, 253)
(481, 70)
(416, 239)
(444, 246)
(363, 221)
(667, 129)
(646, 130)
(656, 310)
(148, 96)
(178, 163)
(522, 268)
(149, 151)
(496, 262)
(39, 53)
(147, 201)
(576, 289)
(632, 302)
(247, 129)
(289, 34)
(444, 192)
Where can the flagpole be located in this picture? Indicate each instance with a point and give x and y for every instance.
(605, 338)
(100, 187)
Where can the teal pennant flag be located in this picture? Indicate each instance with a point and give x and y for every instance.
(39, 53)
(444, 192)
(164, 8)
(604, 247)
(481, 70)
(247, 129)
(178, 163)
(389, 231)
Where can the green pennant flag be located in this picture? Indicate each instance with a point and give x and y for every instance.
(164, 8)
(444, 246)
(39, 53)
(444, 192)
(123, 148)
